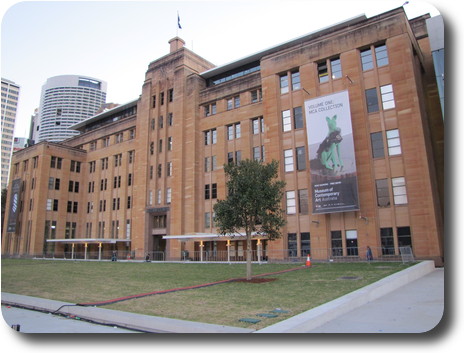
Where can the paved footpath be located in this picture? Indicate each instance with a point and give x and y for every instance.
(414, 308)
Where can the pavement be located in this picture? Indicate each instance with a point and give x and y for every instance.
(410, 301)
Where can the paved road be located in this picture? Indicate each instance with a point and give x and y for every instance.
(36, 322)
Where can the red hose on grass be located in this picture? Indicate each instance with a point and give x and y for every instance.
(135, 296)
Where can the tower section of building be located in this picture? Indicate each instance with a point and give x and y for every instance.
(65, 101)
(10, 96)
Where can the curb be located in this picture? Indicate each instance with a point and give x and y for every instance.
(131, 321)
(324, 313)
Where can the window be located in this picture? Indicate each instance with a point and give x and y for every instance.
(300, 158)
(381, 55)
(168, 195)
(387, 242)
(298, 118)
(377, 145)
(388, 100)
(118, 160)
(104, 163)
(56, 162)
(160, 145)
(291, 202)
(305, 244)
(236, 101)
(256, 96)
(366, 60)
(73, 186)
(257, 153)
(296, 80)
(303, 201)
(233, 131)
(162, 98)
(336, 241)
(214, 191)
(210, 137)
(283, 84)
(404, 236)
(372, 100)
(399, 191)
(393, 142)
(130, 156)
(92, 167)
(207, 219)
(118, 138)
(210, 109)
(72, 207)
(105, 142)
(171, 118)
(153, 101)
(75, 166)
(170, 95)
(322, 72)
(352, 242)
(383, 196)
(292, 245)
(117, 182)
(116, 203)
(336, 68)
(207, 192)
(286, 121)
(288, 161)
(257, 125)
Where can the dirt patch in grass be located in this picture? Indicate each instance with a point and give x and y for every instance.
(257, 280)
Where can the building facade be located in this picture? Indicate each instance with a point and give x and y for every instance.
(142, 178)
(10, 96)
(65, 101)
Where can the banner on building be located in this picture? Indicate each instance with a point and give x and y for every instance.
(332, 161)
(14, 206)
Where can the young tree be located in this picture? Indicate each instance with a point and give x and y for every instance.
(253, 202)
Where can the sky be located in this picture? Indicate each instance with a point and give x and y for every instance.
(116, 40)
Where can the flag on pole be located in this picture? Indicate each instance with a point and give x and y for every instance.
(178, 20)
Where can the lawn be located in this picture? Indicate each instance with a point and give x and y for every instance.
(224, 304)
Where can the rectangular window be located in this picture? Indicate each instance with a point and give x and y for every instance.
(170, 95)
(383, 196)
(336, 68)
(366, 60)
(377, 145)
(351, 242)
(404, 236)
(169, 169)
(207, 219)
(372, 100)
(386, 241)
(303, 201)
(381, 55)
(286, 120)
(230, 104)
(393, 142)
(292, 245)
(257, 125)
(214, 191)
(300, 158)
(322, 72)
(388, 100)
(291, 202)
(288, 161)
(336, 242)
(298, 117)
(399, 191)
(305, 244)
(283, 84)
(207, 192)
(296, 84)
(257, 153)
(236, 101)
(168, 195)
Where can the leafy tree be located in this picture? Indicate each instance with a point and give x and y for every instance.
(253, 202)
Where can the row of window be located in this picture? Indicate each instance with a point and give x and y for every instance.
(234, 131)
(117, 138)
(159, 197)
(117, 161)
(170, 96)
(102, 228)
(233, 102)
(331, 68)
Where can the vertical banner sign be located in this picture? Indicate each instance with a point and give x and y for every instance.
(332, 161)
(14, 206)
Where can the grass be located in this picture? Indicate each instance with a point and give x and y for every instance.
(224, 304)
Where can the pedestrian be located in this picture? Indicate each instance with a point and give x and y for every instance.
(369, 256)
(114, 257)
(147, 258)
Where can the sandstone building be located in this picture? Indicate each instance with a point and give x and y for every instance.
(142, 178)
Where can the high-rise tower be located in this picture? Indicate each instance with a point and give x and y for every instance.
(10, 95)
(65, 101)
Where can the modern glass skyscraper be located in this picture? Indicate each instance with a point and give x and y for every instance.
(10, 95)
(65, 101)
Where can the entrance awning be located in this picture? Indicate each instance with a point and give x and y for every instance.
(88, 241)
(212, 236)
